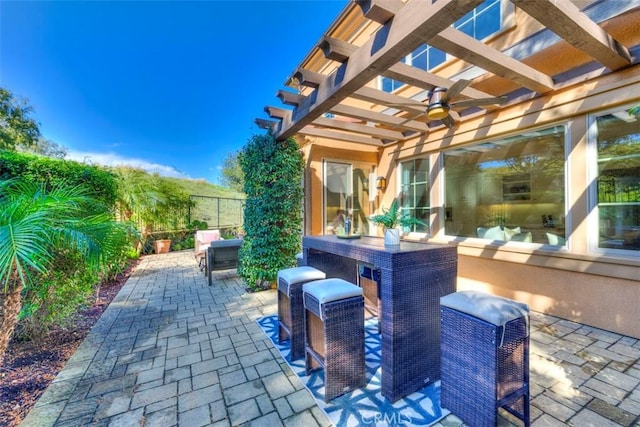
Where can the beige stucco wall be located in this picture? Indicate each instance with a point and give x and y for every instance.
(603, 302)
(572, 282)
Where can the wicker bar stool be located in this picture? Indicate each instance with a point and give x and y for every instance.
(334, 334)
(291, 307)
(485, 357)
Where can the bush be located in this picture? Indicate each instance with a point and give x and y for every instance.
(100, 184)
(273, 210)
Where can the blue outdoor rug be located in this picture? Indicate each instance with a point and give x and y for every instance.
(365, 406)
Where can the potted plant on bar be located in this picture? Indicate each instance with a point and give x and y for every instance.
(390, 219)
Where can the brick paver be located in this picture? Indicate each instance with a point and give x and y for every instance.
(171, 350)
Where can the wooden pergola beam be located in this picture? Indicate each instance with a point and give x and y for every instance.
(385, 119)
(290, 98)
(380, 97)
(476, 52)
(567, 21)
(380, 10)
(418, 21)
(358, 128)
(277, 113)
(336, 49)
(308, 78)
(340, 136)
(425, 80)
(266, 124)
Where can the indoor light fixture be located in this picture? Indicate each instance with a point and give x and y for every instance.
(381, 183)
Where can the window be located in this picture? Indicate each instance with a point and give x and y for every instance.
(615, 192)
(480, 23)
(511, 189)
(414, 200)
(346, 193)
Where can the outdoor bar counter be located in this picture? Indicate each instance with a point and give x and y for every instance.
(413, 277)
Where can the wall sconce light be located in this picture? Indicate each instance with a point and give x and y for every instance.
(381, 183)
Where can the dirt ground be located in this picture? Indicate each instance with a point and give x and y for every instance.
(30, 366)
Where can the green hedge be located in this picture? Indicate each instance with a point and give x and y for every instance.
(101, 184)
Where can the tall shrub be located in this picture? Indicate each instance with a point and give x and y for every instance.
(99, 183)
(273, 210)
(36, 224)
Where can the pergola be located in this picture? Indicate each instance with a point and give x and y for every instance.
(332, 96)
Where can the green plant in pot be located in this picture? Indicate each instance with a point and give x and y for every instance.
(392, 218)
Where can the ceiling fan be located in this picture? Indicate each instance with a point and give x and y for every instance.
(440, 108)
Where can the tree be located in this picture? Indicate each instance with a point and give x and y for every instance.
(273, 209)
(36, 224)
(232, 174)
(46, 147)
(16, 125)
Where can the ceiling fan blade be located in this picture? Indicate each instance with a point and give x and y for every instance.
(455, 90)
(410, 118)
(448, 122)
(479, 102)
(407, 104)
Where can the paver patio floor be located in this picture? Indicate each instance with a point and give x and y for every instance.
(171, 350)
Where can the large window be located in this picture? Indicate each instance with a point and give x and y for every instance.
(511, 189)
(480, 23)
(346, 194)
(616, 190)
(414, 200)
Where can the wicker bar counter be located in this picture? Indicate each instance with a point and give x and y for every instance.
(413, 278)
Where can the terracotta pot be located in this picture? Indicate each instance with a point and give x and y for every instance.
(162, 246)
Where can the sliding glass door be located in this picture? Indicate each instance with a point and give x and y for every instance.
(346, 194)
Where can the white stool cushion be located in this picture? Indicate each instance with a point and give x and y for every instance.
(490, 308)
(329, 290)
(300, 274)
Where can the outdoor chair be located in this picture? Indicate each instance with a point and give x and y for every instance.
(291, 307)
(221, 255)
(484, 357)
(334, 334)
(202, 239)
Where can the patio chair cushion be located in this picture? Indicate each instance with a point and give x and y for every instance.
(328, 290)
(490, 308)
(300, 274)
(203, 238)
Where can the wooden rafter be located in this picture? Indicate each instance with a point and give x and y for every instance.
(417, 21)
(475, 52)
(380, 10)
(308, 78)
(568, 22)
(385, 119)
(336, 49)
(266, 124)
(425, 80)
(358, 128)
(380, 97)
(340, 136)
(290, 98)
(277, 113)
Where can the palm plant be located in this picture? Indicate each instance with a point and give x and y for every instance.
(34, 224)
(393, 217)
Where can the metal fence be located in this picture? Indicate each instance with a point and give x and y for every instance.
(217, 212)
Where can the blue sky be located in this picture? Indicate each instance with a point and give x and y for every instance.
(171, 86)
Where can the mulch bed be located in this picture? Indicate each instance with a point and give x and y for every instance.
(30, 366)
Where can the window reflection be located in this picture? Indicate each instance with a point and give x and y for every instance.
(508, 190)
(618, 181)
